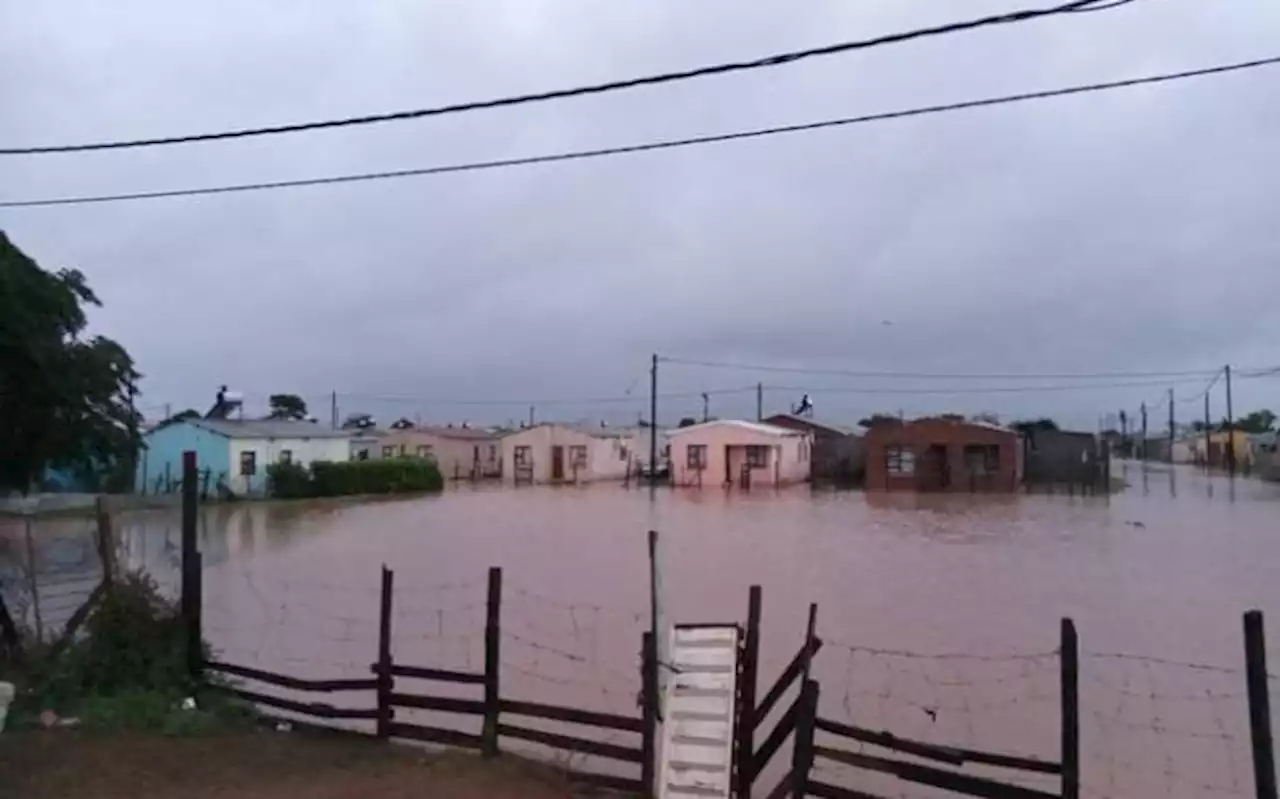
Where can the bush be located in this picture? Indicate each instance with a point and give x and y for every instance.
(289, 481)
(339, 479)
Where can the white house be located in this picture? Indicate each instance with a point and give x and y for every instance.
(233, 455)
(562, 453)
(732, 452)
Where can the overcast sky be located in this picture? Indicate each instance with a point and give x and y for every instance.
(1130, 230)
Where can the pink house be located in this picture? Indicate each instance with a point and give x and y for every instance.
(745, 454)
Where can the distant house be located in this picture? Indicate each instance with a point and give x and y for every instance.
(565, 453)
(1065, 457)
(460, 452)
(839, 453)
(366, 444)
(234, 453)
(1213, 451)
(943, 454)
(746, 454)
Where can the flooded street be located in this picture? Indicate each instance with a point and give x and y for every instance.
(1163, 569)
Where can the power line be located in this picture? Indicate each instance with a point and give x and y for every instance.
(663, 144)
(977, 389)
(775, 60)
(929, 375)
(621, 400)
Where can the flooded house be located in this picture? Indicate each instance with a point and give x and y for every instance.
(557, 453)
(462, 452)
(943, 454)
(1066, 458)
(839, 454)
(745, 454)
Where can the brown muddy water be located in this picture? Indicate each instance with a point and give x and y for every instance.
(940, 614)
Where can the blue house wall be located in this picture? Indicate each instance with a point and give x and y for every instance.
(162, 449)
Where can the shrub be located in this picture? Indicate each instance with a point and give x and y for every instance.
(338, 479)
(289, 481)
(385, 476)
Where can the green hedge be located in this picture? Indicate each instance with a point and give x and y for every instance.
(336, 479)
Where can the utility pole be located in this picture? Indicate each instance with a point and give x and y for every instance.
(653, 421)
(1143, 456)
(1171, 426)
(333, 410)
(531, 410)
(1207, 430)
(168, 410)
(706, 407)
(759, 402)
(1231, 427)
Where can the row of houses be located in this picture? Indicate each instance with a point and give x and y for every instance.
(929, 454)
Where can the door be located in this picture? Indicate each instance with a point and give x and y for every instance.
(935, 471)
(557, 463)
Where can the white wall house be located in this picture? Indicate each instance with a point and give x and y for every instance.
(722, 452)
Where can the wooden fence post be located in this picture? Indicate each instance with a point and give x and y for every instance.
(191, 567)
(1255, 657)
(746, 771)
(492, 663)
(386, 683)
(1069, 654)
(649, 708)
(810, 634)
(802, 754)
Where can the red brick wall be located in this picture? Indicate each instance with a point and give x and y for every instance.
(919, 435)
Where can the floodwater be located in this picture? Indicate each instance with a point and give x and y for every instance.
(940, 614)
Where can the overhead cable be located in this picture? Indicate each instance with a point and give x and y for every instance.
(774, 60)
(927, 375)
(663, 144)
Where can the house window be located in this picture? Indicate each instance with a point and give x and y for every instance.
(424, 451)
(362, 454)
(803, 452)
(757, 456)
(248, 463)
(623, 453)
(286, 456)
(697, 456)
(899, 461)
(982, 460)
(578, 457)
(388, 452)
(521, 456)
(493, 452)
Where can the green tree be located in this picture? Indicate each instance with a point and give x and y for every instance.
(1031, 425)
(66, 400)
(287, 406)
(879, 419)
(1256, 422)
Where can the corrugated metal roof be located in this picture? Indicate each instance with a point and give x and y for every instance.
(842, 429)
(445, 431)
(268, 428)
(753, 427)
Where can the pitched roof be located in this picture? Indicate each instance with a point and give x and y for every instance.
(445, 431)
(753, 427)
(268, 428)
(841, 429)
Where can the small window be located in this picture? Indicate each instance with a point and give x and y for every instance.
(757, 456)
(248, 463)
(286, 456)
(982, 460)
(424, 451)
(362, 454)
(521, 456)
(900, 461)
(697, 456)
(493, 452)
(803, 452)
(578, 457)
(388, 452)
(623, 453)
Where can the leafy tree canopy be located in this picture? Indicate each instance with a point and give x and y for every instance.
(287, 406)
(879, 419)
(65, 399)
(1256, 422)
(1031, 425)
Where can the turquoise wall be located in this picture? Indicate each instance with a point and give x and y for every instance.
(164, 447)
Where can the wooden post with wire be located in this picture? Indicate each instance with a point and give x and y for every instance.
(1069, 654)
(649, 710)
(802, 753)
(1255, 657)
(653, 421)
(492, 663)
(191, 568)
(386, 683)
(1231, 425)
(746, 721)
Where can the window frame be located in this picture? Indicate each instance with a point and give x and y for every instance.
(577, 456)
(248, 462)
(899, 460)
(696, 457)
(388, 450)
(520, 455)
(757, 456)
(982, 460)
(425, 451)
(286, 456)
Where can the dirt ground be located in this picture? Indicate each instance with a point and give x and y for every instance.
(257, 764)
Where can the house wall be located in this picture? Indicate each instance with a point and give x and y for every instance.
(1063, 457)
(603, 455)
(839, 457)
(304, 452)
(788, 461)
(458, 458)
(917, 437)
(161, 456)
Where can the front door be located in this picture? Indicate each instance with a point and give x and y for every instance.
(935, 472)
(557, 463)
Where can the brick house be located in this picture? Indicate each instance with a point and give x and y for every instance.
(838, 452)
(943, 454)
